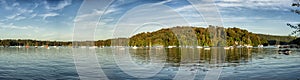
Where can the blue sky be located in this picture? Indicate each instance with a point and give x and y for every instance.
(55, 19)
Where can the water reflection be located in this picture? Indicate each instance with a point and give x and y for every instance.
(238, 63)
(195, 55)
(33, 63)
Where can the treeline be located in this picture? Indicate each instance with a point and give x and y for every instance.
(28, 42)
(296, 41)
(276, 38)
(180, 35)
(234, 37)
(166, 37)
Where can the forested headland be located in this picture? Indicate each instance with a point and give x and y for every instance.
(234, 37)
(167, 37)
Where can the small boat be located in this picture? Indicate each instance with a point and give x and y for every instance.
(171, 46)
(207, 48)
(27, 46)
(83, 47)
(260, 46)
(226, 47)
(199, 47)
(239, 46)
(270, 47)
(134, 47)
(285, 51)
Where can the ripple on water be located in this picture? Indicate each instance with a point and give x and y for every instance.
(58, 65)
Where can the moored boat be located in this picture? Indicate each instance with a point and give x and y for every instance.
(171, 46)
(199, 47)
(226, 47)
(285, 51)
(206, 48)
(134, 47)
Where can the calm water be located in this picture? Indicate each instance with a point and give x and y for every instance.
(238, 64)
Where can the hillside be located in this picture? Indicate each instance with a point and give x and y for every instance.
(234, 36)
(277, 38)
(296, 41)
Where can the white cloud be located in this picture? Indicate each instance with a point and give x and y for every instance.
(33, 15)
(19, 11)
(87, 16)
(5, 5)
(61, 5)
(256, 4)
(232, 0)
(148, 14)
(230, 6)
(94, 14)
(45, 16)
(15, 4)
(184, 8)
(163, 2)
(12, 26)
(13, 16)
(251, 4)
(20, 18)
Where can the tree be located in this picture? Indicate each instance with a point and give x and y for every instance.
(297, 26)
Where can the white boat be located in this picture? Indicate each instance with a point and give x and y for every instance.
(284, 51)
(199, 47)
(249, 46)
(270, 47)
(207, 48)
(260, 46)
(83, 47)
(134, 47)
(93, 47)
(171, 46)
(226, 47)
(239, 46)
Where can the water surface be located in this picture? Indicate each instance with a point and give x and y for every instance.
(238, 64)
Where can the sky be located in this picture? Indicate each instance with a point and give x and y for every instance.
(61, 20)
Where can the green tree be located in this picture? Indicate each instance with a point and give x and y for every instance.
(296, 27)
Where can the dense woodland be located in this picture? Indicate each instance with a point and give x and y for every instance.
(234, 37)
(167, 37)
(27, 42)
